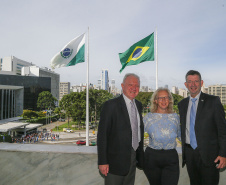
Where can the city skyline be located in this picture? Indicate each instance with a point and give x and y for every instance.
(191, 35)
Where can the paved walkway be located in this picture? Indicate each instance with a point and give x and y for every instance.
(65, 137)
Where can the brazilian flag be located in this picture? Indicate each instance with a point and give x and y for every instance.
(139, 52)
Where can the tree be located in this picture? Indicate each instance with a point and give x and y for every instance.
(177, 98)
(144, 98)
(46, 100)
(96, 100)
(59, 112)
(66, 105)
(79, 106)
(29, 114)
(74, 105)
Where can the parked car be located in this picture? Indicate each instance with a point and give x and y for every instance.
(69, 130)
(61, 119)
(92, 143)
(80, 142)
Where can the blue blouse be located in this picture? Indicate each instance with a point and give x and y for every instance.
(163, 129)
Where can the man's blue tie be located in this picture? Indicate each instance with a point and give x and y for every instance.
(193, 141)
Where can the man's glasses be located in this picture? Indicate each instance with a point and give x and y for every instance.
(166, 98)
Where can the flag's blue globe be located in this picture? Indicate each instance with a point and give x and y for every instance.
(137, 52)
(66, 53)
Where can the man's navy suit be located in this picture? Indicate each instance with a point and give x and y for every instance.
(114, 141)
(210, 128)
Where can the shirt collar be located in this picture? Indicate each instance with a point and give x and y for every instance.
(197, 97)
(127, 100)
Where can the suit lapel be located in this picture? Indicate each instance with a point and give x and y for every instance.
(139, 108)
(200, 106)
(185, 109)
(183, 121)
(124, 109)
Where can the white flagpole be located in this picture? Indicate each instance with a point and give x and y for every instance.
(87, 93)
(156, 58)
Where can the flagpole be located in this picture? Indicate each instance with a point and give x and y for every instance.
(87, 93)
(156, 58)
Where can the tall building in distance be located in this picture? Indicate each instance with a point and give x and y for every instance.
(218, 90)
(104, 80)
(98, 85)
(64, 89)
(175, 90)
(112, 84)
(113, 89)
(183, 92)
(81, 87)
(144, 89)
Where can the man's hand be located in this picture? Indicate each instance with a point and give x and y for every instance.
(104, 169)
(222, 162)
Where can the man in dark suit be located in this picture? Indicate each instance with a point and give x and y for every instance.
(203, 133)
(120, 135)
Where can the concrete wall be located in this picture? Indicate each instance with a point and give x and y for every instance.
(39, 164)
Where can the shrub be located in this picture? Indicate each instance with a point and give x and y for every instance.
(29, 114)
(8, 138)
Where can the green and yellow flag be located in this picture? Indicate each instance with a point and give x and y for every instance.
(141, 51)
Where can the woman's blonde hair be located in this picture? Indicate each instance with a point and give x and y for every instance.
(154, 97)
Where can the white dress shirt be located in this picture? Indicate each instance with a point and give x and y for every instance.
(128, 105)
(188, 116)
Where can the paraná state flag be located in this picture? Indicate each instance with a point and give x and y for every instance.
(139, 52)
(71, 54)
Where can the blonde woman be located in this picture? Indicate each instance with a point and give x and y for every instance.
(162, 125)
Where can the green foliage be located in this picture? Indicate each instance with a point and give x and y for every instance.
(28, 114)
(42, 120)
(8, 138)
(74, 104)
(175, 108)
(96, 100)
(144, 98)
(71, 125)
(145, 135)
(224, 107)
(41, 114)
(59, 113)
(177, 98)
(46, 100)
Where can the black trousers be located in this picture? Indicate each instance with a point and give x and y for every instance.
(129, 179)
(161, 166)
(200, 174)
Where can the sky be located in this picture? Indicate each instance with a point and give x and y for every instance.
(190, 35)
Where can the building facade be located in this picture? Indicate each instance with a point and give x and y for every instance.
(11, 101)
(21, 92)
(104, 80)
(183, 93)
(12, 65)
(175, 90)
(44, 72)
(64, 89)
(218, 90)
